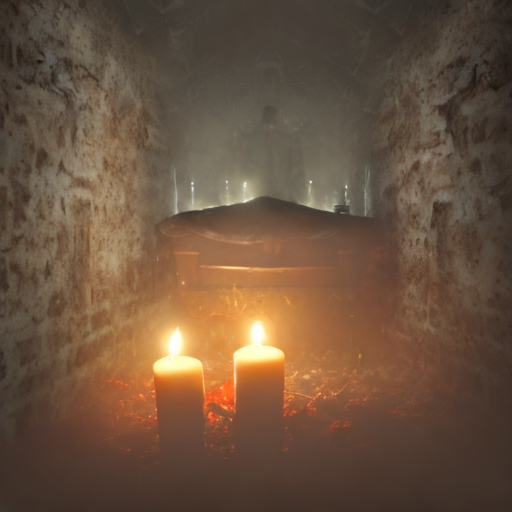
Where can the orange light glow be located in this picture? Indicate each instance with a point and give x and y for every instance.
(257, 334)
(175, 343)
(221, 402)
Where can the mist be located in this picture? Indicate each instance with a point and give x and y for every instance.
(220, 63)
(119, 117)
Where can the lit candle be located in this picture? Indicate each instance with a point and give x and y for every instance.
(259, 398)
(179, 391)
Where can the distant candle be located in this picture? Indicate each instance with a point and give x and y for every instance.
(259, 397)
(179, 391)
(227, 192)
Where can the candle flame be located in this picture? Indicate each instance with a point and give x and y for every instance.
(257, 334)
(175, 343)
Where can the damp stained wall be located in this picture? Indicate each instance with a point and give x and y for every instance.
(443, 151)
(81, 188)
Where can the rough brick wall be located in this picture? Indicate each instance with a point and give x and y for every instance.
(443, 149)
(79, 197)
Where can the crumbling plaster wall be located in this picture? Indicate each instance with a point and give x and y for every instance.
(79, 198)
(443, 148)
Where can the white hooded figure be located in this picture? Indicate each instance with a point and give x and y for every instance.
(270, 159)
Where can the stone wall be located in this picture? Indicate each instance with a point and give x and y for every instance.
(443, 150)
(79, 198)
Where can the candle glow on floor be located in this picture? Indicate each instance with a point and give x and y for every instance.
(342, 419)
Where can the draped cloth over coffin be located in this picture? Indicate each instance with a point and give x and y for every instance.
(260, 219)
(269, 233)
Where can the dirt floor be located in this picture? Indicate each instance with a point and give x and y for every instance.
(358, 438)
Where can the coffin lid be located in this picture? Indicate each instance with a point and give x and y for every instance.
(262, 219)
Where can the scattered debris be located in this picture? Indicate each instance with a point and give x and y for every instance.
(324, 397)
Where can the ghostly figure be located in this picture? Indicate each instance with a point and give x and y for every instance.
(270, 160)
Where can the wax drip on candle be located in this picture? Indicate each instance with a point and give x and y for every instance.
(257, 334)
(175, 343)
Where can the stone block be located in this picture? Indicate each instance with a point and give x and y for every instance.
(28, 349)
(91, 351)
(3, 366)
(56, 305)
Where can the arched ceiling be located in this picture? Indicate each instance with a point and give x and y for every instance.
(294, 40)
(320, 62)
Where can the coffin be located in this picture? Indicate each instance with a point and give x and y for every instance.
(269, 242)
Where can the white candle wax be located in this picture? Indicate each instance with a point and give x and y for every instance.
(259, 400)
(179, 391)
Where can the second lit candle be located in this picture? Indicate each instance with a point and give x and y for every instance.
(259, 398)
